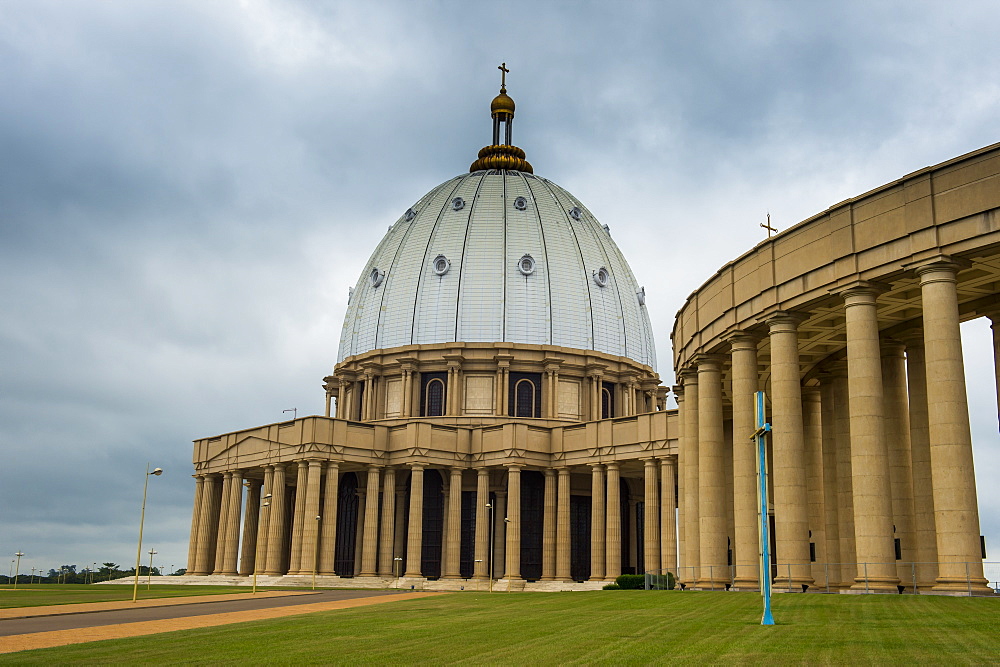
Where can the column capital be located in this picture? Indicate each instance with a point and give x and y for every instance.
(708, 361)
(417, 466)
(678, 391)
(549, 472)
(937, 268)
(782, 321)
(687, 375)
(740, 339)
(650, 462)
(483, 472)
(612, 465)
(597, 466)
(891, 347)
(860, 292)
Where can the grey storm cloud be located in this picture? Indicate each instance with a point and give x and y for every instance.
(187, 190)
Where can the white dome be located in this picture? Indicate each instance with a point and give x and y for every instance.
(498, 256)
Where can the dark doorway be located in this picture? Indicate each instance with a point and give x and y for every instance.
(626, 528)
(532, 516)
(430, 549)
(467, 559)
(347, 525)
(640, 538)
(579, 537)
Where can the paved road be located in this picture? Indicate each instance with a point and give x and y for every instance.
(17, 626)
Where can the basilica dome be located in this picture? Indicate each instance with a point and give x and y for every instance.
(498, 255)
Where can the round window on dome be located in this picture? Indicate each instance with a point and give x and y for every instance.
(409, 215)
(601, 276)
(526, 265)
(457, 204)
(575, 213)
(441, 265)
(520, 203)
(376, 277)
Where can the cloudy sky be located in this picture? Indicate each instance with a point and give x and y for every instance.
(187, 189)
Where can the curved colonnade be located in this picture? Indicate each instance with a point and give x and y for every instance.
(850, 323)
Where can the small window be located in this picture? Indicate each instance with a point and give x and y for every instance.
(433, 395)
(524, 399)
(409, 215)
(607, 230)
(376, 277)
(606, 403)
(441, 265)
(526, 265)
(457, 204)
(641, 295)
(520, 203)
(350, 294)
(575, 213)
(601, 277)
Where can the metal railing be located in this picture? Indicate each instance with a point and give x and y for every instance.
(906, 577)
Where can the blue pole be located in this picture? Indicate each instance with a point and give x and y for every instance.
(760, 437)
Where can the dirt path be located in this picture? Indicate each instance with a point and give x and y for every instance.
(35, 640)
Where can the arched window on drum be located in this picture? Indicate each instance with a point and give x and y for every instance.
(525, 398)
(433, 394)
(607, 400)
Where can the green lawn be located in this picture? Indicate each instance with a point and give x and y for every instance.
(586, 627)
(36, 595)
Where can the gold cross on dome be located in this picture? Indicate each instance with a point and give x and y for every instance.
(503, 74)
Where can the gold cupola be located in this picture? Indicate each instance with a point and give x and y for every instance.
(502, 155)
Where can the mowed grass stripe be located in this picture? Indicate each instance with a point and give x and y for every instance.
(39, 595)
(604, 627)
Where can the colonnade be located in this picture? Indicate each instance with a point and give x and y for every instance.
(291, 528)
(872, 481)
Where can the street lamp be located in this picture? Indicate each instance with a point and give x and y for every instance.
(149, 572)
(17, 569)
(32, 580)
(265, 504)
(93, 569)
(397, 564)
(142, 520)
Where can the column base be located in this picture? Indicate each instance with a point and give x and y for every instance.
(875, 585)
(711, 584)
(801, 585)
(746, 584)
(950, 586)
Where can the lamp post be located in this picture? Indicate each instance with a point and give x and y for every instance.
(397, 563)
(489, 556)
(17, 569)
(93, 569)
(142, 520)
(265, 504)
(32, 580)
(149, 571)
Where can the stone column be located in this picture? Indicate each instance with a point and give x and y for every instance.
(199, 489)
(595, 396)
(369, 549)
(549, 527)
(869, 456)
(499, 533)
(613, 529)
(260, 553)
(563, 539)
(812, 430)
(831, 503)
(453, 566)
(711, 475)
(897, 437)
(298, 517)
(415, 539)
(328, 524)
(251, 515)
(208, 524)
(956, 513)
(689, 458)
(668, 517)
(681, 541)
(995, 321)
(791, 508)
(386, 541)
(845, 487)
(221, 527)
(311, 521)
(514, 522)
(482, 556)
(400, 534)
(597, 521)
(231, 539)
(925, 534)
(276, 525)
(651, 515)
(745, 521)
(407, 398)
